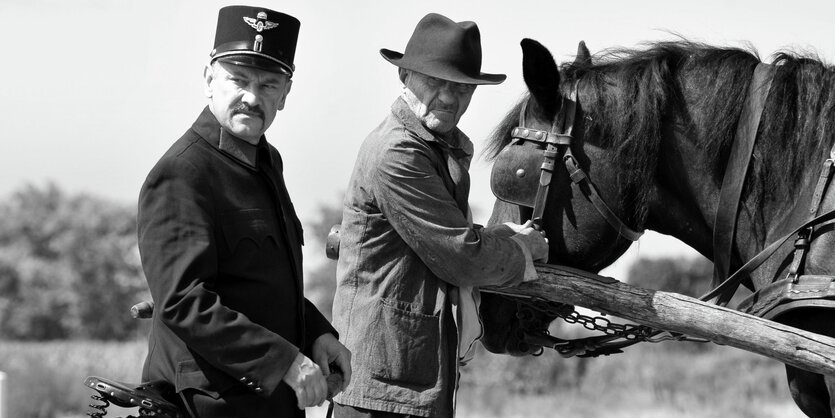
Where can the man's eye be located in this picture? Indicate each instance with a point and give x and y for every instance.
(433, 82)
(462, 88)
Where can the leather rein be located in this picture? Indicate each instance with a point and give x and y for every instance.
(729, 199)
(560, 136)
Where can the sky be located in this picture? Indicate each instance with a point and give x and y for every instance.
(92, 92)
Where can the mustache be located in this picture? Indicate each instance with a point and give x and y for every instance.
(245, 108)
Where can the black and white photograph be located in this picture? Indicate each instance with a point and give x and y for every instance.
(389, 209)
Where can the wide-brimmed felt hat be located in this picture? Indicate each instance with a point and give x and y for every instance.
(442, 48)
(256, 37)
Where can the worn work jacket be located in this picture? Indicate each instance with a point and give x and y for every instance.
(406, 244)
(221, 248)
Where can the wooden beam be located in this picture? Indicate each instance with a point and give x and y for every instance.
(683, 314)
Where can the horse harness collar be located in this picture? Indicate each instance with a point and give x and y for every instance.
(795, 290)
(559, 135)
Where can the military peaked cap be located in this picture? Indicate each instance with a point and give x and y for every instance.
(256, 37)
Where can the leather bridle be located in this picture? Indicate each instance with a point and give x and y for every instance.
(560, 136)
(727, 212)
(778, 297)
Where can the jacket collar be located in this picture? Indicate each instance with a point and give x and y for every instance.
(458, 143)
(210, 130)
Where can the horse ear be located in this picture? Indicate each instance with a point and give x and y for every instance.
(541, 75)
(583, 55)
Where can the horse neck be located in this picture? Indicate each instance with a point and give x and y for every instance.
(686, 200)
(683, 198)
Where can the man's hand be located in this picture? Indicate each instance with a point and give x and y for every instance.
(306, 379)
(533, 239)
(326, 350)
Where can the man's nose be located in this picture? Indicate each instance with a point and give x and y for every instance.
(447, 96)
(251, 94)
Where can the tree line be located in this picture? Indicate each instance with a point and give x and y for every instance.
(70, 267)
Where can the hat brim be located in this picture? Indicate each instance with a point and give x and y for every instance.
(254, 60)
(439, 70)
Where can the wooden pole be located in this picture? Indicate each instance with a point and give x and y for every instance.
(679, 313)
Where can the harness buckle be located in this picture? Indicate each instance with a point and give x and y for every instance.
(558, 139)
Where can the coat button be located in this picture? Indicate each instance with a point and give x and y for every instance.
(243, 379)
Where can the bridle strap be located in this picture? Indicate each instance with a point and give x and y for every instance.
(724, 225)
(727, 288)
(551, 139)
(560, 134)
(579, 177)
(747, 131)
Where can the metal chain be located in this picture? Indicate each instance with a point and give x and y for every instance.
(633, 333)
(598, 323)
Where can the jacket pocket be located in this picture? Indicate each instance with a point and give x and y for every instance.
(405, 346)
(247, 228)
(190, 376)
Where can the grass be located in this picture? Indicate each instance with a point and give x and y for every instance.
(648, 381)
(45, 380)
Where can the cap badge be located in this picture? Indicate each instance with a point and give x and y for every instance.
(260, 23)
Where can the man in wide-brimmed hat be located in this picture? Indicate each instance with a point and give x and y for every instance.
(220, 243)
(409, 253)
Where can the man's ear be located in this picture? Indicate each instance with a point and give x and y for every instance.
(283, 97)
(208, 76)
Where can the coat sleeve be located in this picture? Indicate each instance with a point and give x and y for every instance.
(315, 326)
(176, 221)
(412, 195)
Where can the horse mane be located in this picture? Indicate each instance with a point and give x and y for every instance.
(628, 95)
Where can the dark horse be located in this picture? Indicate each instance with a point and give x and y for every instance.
(654, 129)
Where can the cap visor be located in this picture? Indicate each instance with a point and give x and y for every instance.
(255, 61)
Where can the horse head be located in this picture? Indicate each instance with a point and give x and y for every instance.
(579, 234)
(652, 138)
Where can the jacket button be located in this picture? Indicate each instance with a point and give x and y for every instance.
(258, 389)
(243, 379)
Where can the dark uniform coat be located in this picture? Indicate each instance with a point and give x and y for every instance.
(221, 248)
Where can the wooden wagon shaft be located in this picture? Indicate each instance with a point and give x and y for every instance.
(683, 314)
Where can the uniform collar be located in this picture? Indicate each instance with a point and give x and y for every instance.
(459, 143)
(209, 129)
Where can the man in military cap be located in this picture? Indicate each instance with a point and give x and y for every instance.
(221, 243)
(409, 253)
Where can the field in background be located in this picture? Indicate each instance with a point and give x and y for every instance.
(682, 380)
(648, 381)
(46, 380)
